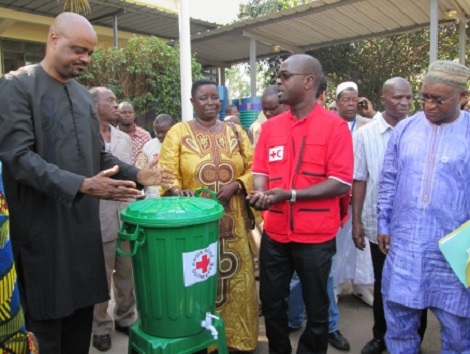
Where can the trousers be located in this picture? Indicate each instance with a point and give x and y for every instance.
(68, 335)
(119, 273)
(312, 262)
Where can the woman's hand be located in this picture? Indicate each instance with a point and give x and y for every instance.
(178, 192)
(227, 191)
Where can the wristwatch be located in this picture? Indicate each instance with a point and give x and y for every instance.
(293, 196)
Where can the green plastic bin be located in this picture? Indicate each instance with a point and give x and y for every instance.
(174, 241)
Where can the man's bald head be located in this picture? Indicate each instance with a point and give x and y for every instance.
(70, 43)
(307, 64)
(126, 114)
(69, 22)
(298, 80)
(106, 106)
(270, 102)
(395, 82)
(271, 90)
(397, 97)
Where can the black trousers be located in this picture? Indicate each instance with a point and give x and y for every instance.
(277, 264)
(68, 335)
(380, 326)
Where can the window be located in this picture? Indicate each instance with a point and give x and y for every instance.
(16, 54)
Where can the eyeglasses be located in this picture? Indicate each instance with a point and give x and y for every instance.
(285, 75)
(436, 101)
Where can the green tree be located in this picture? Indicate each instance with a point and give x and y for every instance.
(371, 62)
(368, 62)
(146, 73)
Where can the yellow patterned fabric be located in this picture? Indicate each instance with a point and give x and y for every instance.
(211, 158)
(13, 336)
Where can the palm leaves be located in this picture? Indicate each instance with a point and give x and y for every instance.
(77, 6)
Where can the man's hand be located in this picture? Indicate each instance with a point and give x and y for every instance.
(384, 243)
(103, 187)
(258, 200)
(358, 235)
(278, 195)
(262, 200)
(151, 175)
(367, 110)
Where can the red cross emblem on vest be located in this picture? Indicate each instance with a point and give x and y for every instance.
(276, 153)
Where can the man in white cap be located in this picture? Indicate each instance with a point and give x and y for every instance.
(347, 98)
(424, 194)
(361, 274)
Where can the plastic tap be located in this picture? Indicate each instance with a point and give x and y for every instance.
(207, 324)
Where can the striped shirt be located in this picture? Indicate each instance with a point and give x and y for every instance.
(370, 144)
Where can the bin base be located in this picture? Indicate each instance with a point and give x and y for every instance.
(142, 343)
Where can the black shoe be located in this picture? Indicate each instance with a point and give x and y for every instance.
(102, 343)
(337, 340)
(375, 346)
(122, 329)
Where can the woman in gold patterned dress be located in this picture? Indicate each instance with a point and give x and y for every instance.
(208, 153)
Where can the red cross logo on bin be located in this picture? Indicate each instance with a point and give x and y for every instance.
(203, 264)
(200, 265)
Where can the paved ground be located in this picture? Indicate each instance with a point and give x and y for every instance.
(355, 324)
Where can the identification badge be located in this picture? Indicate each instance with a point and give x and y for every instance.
(276, 153)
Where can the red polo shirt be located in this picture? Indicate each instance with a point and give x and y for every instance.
(296, 154)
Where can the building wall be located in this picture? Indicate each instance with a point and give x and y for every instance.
(21, 26)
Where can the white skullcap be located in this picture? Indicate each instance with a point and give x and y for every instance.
(346, 85)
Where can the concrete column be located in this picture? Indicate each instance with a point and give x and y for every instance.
(434, 30)
(253, 67)
(462, 40)
(185, 60)
(115, 32)
(221, 75)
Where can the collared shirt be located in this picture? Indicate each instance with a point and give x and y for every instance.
(139, 137)
(424, 194)
(297, 154)
(370, 144)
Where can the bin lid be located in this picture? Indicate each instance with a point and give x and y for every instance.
(172, 211)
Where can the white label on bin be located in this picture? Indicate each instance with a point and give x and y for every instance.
(200, 265)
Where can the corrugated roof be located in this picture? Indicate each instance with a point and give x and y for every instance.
(318, 24)
(139, 19)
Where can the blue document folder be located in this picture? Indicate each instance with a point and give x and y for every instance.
(456, 250)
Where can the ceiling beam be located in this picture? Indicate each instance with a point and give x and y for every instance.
(108, 15)
(272, 41)
(5, 24)
(210, 61)
(368, 36)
